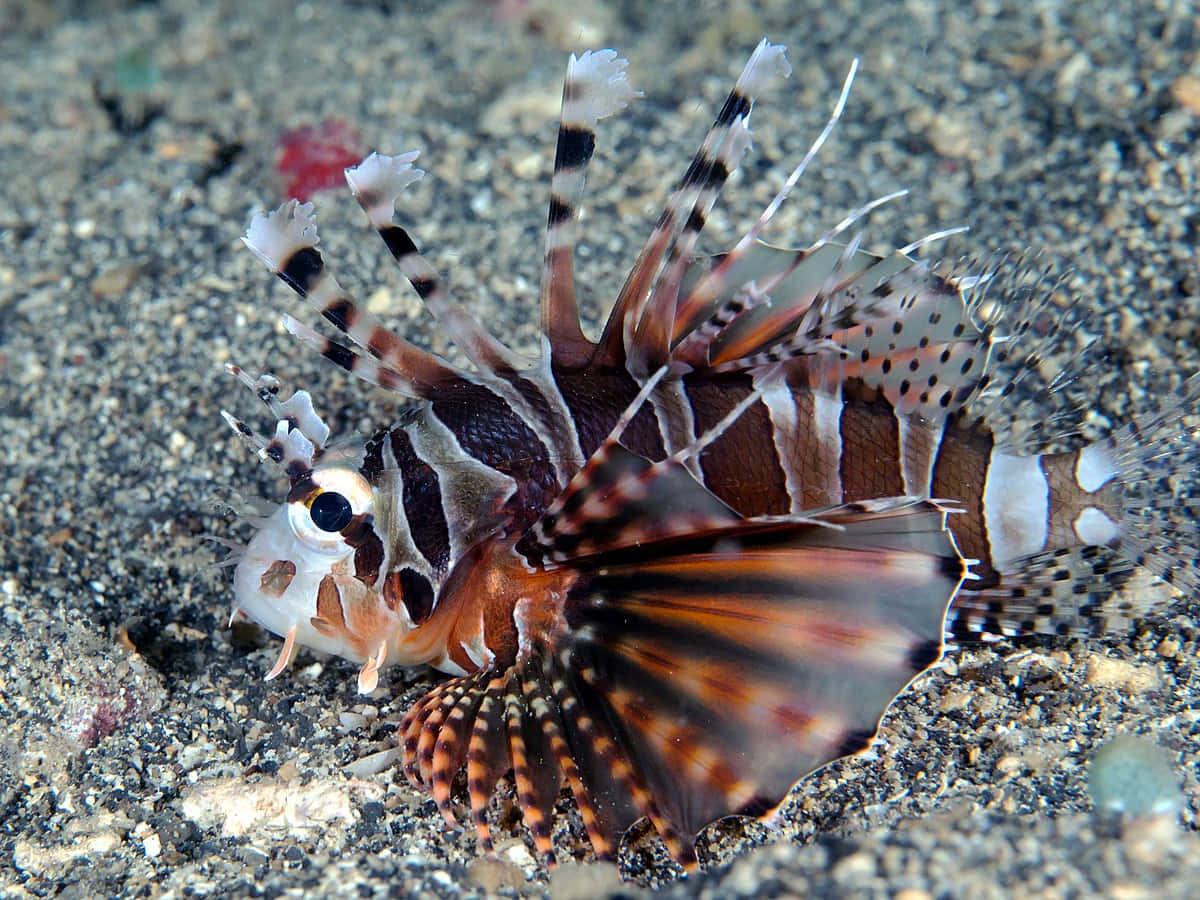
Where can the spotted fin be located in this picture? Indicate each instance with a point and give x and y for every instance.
(1074, 592)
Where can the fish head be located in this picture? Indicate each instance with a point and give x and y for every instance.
(316, 571)
(311, 567)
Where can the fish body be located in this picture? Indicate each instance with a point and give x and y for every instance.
(679, 567)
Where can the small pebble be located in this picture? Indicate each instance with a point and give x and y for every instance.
(582, 881)
(1133, 775)
(1104, 671)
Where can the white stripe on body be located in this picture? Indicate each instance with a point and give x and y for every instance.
(1016, 508)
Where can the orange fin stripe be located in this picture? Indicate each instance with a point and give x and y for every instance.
(430, 728)
(450, 750)
(487, 757)
(533, 815)
(685, 686)
(539, 700)
(686, 749)
(681, 846)
(413, 722)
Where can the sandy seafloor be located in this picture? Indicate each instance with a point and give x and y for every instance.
(142, 753)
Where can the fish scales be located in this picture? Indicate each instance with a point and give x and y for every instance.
(674, 570)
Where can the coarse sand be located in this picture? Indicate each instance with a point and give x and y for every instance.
(144, 755)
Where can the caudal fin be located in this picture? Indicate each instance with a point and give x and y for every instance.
(1149, 475)
(1157, 458)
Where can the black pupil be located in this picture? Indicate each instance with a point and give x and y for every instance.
(331, 511)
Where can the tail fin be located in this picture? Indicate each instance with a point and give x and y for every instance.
(1152, 468)
(1157, 460)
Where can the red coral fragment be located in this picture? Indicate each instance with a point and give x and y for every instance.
(315, 156)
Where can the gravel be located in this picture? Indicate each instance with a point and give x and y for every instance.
(145, 755)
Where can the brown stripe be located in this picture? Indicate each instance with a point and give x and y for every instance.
(422, 499)
(411, 588)
(575, 147)
(870, 464)
(279, 575)
(302, 269)
(960, 474)
(737, 105)
(560, 211)
(597, 399)
(488, 429)
(329, 603)
(368, 548)
(1067, 499)
(341, 313)
(741, 466)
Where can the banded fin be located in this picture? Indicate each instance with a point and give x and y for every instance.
(1037, 342)
(377, 183)
(301, 435)
(678, 634)
(595, 87)
(286, 240)
(755, 305)
(839, 313)
(620, 499)
(760, 294)
(693, 303)
(683, 217)
(1157, 463)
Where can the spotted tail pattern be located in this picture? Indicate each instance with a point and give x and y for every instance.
(677, 568)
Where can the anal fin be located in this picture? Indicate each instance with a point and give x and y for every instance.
(1086, 592)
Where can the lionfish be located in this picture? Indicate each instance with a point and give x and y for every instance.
(680, 567)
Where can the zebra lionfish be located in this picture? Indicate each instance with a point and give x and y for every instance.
(680, 567)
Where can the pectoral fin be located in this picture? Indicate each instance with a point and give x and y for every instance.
(703, 673)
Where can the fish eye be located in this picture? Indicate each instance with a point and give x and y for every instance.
(331, 511)
(340, 495)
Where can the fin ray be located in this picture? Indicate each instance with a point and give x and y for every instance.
(595, 87)
(377, 183)
(702, 674)
(286, 240)
(705, 173)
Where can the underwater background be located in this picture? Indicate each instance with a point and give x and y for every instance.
(143, 753)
